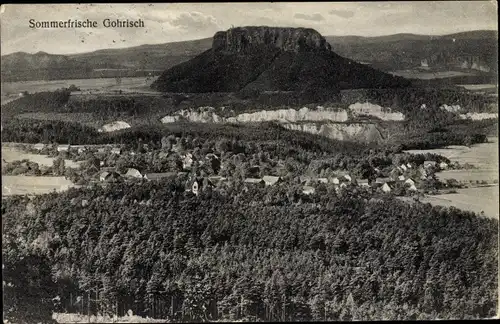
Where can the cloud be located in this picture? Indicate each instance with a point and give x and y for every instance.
(195, 21)
(313, 17)
(346, 14)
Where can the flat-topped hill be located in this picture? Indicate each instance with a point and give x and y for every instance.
(271, 59)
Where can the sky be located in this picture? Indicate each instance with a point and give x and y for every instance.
(170, 22)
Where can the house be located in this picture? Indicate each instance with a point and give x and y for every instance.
(216, 179)
(382, 180)
(347, 177)
(187, 161)
(305, 179)
(428, 164)
(401, 178)
(443, 165)
(363, 183)
(409, 165)
(403, 167)
(63, 148)
(133, 173)
(410, 184)
(159, 176)
(307, 190)
(197, 185)
(386, 187)
(410, 181)
(322, 180)
(343, 185)
(108, 176)
(116, 150)
(39, 146)
(271, 180)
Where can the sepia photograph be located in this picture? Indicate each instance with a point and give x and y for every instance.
(249, 162)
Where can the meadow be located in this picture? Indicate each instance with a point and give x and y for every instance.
(11, 153)
(479, 199)
(31, 185)
(11, 90)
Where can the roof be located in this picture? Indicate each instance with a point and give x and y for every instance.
(308, 190)
(383, 180)
(252, 180)
(216, 178)
(157, 176)
(133, 173)
(270, 180)
(362, 181)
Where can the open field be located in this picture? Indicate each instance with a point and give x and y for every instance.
(469, 175)
(480, 199)
(485, 86)
(10, 154)
(426, 75)
(32, 185)
(11, 90)
(484, 155)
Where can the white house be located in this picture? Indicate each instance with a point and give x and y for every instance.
(410, 184)
(386, 188)
(133, 173)
(403, 167)
(409, 165)
(271, 180)
(116, 150)
(39, 146)
(410, 181)
(307, 190)
(322, 180)
(63, 148)
(443, 165)
(401, 178)
(347, 177)
(428, 164)
(363, 183)
(335, 181)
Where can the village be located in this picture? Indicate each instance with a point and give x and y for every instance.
(216, 168)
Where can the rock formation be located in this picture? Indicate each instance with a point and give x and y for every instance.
(243, 39)
(272, 59)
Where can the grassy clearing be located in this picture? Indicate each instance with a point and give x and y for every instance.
(481, 199)
(483, 156)
(32, 185)
(10, 154)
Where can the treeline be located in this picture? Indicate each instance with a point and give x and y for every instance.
(49, 101)
(265, 254)
(410, 100)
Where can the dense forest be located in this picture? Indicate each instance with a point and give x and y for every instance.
(262, 254)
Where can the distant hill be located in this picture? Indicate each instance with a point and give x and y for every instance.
(474, 50)
(470, 51)
(271, 59)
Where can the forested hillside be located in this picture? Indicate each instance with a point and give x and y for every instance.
(268, 254)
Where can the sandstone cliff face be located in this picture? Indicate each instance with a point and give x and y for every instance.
(356, 132)
(114, 126)
(208, 115)
(243, 39)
